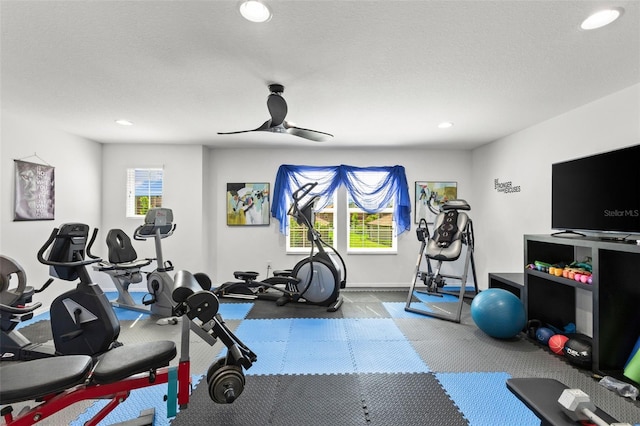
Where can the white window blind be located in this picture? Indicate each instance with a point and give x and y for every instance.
(144, 190)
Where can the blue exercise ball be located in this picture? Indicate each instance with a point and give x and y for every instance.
(498, 312)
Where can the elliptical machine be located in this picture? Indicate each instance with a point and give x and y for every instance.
(316, 279)
(124, 267)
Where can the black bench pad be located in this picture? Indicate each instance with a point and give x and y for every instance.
(24, 381)
(541, 395)
(127, 360)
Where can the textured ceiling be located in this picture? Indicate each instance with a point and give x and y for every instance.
(373, 73)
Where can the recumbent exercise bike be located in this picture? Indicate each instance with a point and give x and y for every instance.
(82, 321)
(59, 381)
(316, 279)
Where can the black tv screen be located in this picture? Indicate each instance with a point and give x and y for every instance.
(599, 193)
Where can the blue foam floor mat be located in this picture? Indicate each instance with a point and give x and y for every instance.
(470, 392)
(329, 346)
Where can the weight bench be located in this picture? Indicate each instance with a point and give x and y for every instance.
(61, 381)
(453, 230)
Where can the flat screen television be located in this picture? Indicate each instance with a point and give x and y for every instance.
(599, 193)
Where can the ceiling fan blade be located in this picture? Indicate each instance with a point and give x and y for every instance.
(277, 108)
(313, 135)
(264, 126)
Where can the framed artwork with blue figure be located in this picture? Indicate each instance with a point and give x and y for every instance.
(248, 204)
(430, 195)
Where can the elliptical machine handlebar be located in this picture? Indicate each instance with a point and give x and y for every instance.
(301, 192)
(303, 215)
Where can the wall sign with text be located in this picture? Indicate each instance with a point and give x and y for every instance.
(506, 187)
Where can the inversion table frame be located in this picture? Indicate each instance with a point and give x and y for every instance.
(453, 229)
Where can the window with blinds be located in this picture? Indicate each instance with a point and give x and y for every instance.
(325, 224)
(144, 190)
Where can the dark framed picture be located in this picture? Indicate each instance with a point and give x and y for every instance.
(429, 195)
(34, 191)
(248, 204)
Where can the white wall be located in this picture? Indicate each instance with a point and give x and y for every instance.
(196, 180)
(249, 248)
(525, 158)
(78, 174)
(184, 193)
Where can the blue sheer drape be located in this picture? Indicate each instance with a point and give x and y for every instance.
(371, 188)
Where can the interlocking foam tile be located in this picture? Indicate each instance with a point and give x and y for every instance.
(137, 296)
(375, 329)
(386, 357)
(138, 400)
(129, 315)
(484, 399)
(267, 330)
(435, 299)
(234, 311)
(271, 357)
(40, 317)
(317, 329)
(396, 309)
(318, 358)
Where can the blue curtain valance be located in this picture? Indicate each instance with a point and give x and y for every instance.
(371, 188)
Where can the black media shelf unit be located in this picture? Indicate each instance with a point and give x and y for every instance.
(510, 281)
(615, 293)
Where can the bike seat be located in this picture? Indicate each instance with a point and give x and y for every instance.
(245, 275)
(282, 272)
(24, 381)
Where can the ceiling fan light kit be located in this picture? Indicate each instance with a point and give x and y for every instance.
(277, 124)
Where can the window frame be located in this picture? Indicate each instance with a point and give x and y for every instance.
(332, 208)
(131, 189)
(371, 250)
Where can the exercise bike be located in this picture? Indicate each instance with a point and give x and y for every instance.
(124, 267)
(15, 307)
(82, 320)
(316, 279)
(59, 382)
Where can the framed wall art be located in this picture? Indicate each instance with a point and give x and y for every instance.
(429, 195)
(248, 204)
(34, 191)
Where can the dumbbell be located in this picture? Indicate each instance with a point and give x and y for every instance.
(578, 406)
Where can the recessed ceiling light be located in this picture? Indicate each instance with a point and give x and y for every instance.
(601, 18)
(124, 122)
(445, 125)
(255, 11)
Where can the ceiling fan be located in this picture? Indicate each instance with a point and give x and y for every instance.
(277, 124)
